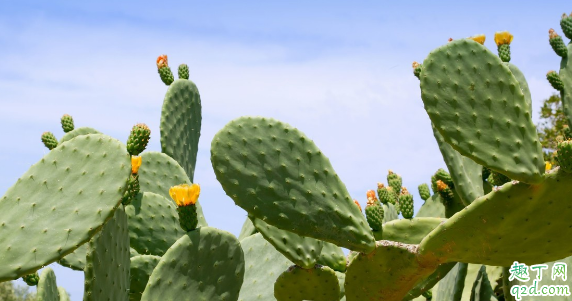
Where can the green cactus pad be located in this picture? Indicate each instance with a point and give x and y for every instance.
(263, 265)
(181, 124)
(140, 270)
(452, 286)
(49, 140)
(63, 294)
(297, 284)
(566, 77)
(133, 253)
(204, 264)
(389, 213)
(433, 207)
(138, 139)
(153, 224)
(426, 284)
(279, 175)
(341, 282)
(78, 132)
(47, 286)
(387, 273)
(466, 175)
(408, 231)
(522, 83)
(159, 172)
(333, 257)
(67, 123)
(60, 203)
(488, 224)
(107, 261)
(482, 289)
(247, 230)
(424, 191)
(555, 81)
(76, 259)
(302, 251)
(471, 97)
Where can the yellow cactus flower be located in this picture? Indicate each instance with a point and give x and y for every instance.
(503, 37)
(162, 61)
(135, 164)
(480, 38)
(547, 166)
(185, 194)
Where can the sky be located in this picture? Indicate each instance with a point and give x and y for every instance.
(339, 71)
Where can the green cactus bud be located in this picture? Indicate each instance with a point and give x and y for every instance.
(557, 43)
(406, 203)
(497, 179)
(503, 40)
(486, 173)
(186, 197)
(564, 155)
(566, 25)
(427, 294)
(444, 176)
(424, 191)
(49, 140)
(554, 80)
(164, 71)
(445, 192)
(374, 215)
(133, 189)
(31, 279)
(417, 69)
(504, 52)
(183, 71)
(386, 195)
(394, 181)
(67, 123)
(138, 139)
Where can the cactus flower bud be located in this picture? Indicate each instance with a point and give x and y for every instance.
(162, 61)
(164, 71)
(358, 205)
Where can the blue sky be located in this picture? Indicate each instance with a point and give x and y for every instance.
(340, 72)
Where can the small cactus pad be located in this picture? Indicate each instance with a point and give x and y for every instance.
(31, 279)
(301, 250)
(60, 203)
(341, 282)
(566, 77)
(465, 173)
(406, 204)
(166, 75)
(49, 140)
(138, 139)
(482, 289)
(433, 207)
(452, 285)
(487, 225)
(76, 259)
(297, 284)
(63, 294)
(408, 231)
(557, 44)
(183, 71)
(394, 181)
(374, 215)
(247, 230)
(471, 97)
(426, 284)
(159, 172)
(153, 224)
(564, 156)
(263, 265)
(107, 261)
(424, 191)
(566, 25)
(387, 273)
(555, 81)
(67, 123)
(47, 286)
(78, 132)
(133, 253)
(333, 257)
(522, 83)
(181, 124)
(277, 174)
(204, 264)
(140, 270)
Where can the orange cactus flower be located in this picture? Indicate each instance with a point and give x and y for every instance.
(503, 37)
(185, 194)
(358, 205)
(162, 61)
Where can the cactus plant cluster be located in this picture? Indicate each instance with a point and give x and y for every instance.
(132, 222)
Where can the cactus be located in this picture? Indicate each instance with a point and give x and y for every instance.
(503, 40)
(564, 155)
(164, 70)
(49, 140)
(67, 123)
(47, 286)
(374, 213)
(138, 139)
(183, 71)
(406, 204)
(424, 191)
(141, 267)
(319, 284)
(31, 279)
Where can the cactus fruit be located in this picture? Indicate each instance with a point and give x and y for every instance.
(386, 195)
(133, 189)
(503, 40)
(406, 203)
(564, 155)
(394, 181)
(498, 179)
(424, 191)
(67, 123)
(445, 192)
(566, 25)
(186, 197)
(49, 140)
(557, 43)
(183, 71)
(416, 69)
(374, 211)
(31, 279)
(164, 70)
(138, 139)
(555, 81)
(444, 176)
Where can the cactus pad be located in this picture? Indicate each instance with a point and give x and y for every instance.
(107, 261)
(303, 251)
(153, 224)
(247, 229)
(47, 286)
(279, 175)
(408, 231)
(140, 270)
(78, 132)
(424, 286)
(297, 284)
(159, 172)
(566, 77)
(263, 265)
(166, 75)
(433, 207)
(181, 124)
(389, 213)
(387, 273)
(63, 294)
(60, 203)
(204, 264)
(471, 97)
(333, 257)
(452, 285)
(488, 224)
(76, 259)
